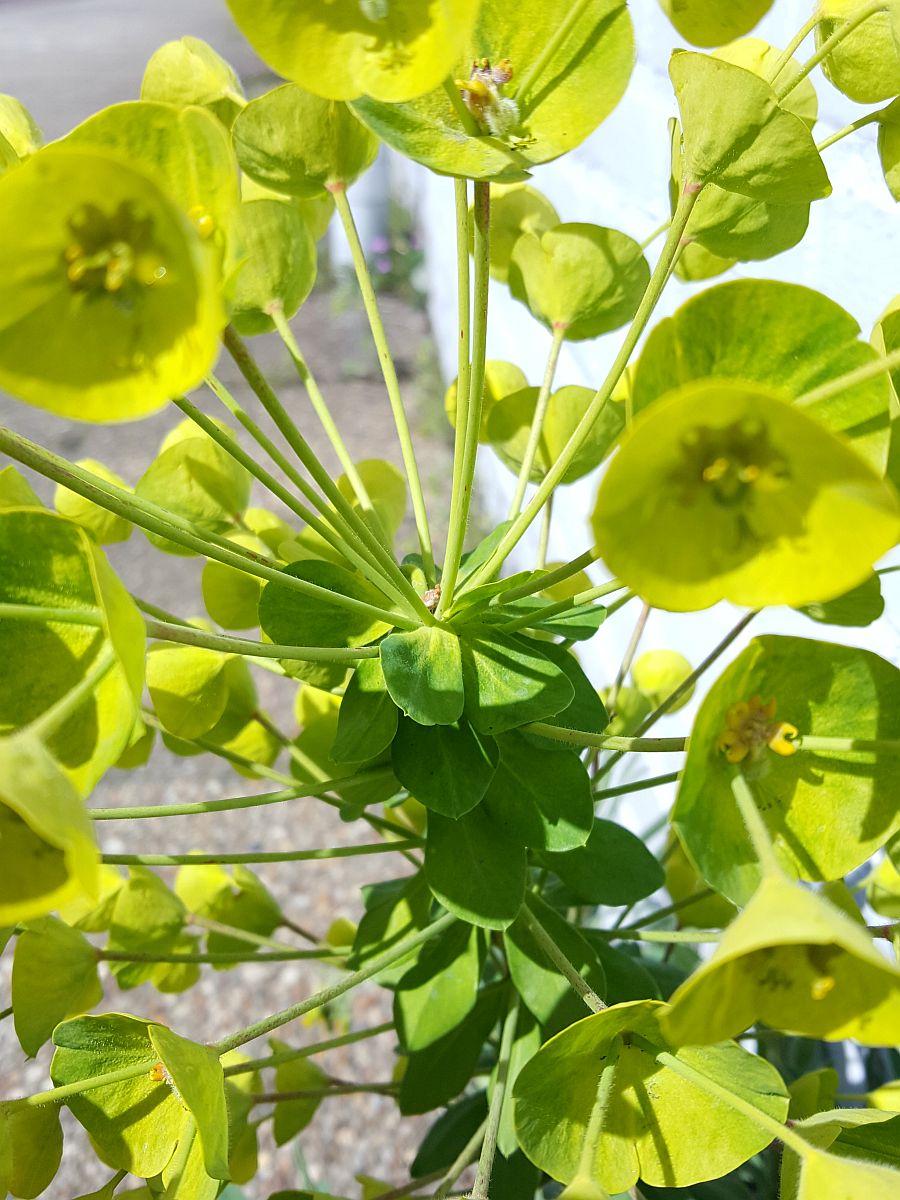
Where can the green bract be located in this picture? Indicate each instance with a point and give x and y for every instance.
(106, 527)
(31, 1142)
(518, 126)
(18, 128)
(300, 144)
(827, 810)
(120, 276)
(738, 136)
(279, 269)
(725, 492)
(516, 208)
(651, 1113)
(793, 961)
(392, 51)
(500, 379)
(190, 72)
(866, 64)
(708, 23)
(783, 336)
(54, 976)
(579, 279)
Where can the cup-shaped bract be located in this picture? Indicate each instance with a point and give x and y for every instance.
(340, 49)
(188, 71)
(107, 527)
(710, 23)
(556, 1092)
(543, 75)
(827, 811)
(279, 264)
(516, 208)
(500, 379)
(793, 961)
(724, 491)
(109, 300)
(865, 65)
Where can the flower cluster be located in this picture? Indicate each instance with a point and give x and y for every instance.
(750, 725)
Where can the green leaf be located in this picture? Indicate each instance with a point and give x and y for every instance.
(580, 278)
(448, 768)
(441, 1071)
(291, 619)
(866, 64)
(509, 682)
(540, 795)
(500, 379)
(708, 23)
(187, 151)
(516, 208)
(185, 1176)
(146, 917)
(510, 421)
(793, 961)
(54, 976)
(474, 869)
(781, 336)
(367, 721)
(649, 1130)
(546, 993)
(48, 561)
(575, 89)
(279, 267)
(297, 143)
(436, 994)
(586, 710)
(299, 1075)
(129, 332)
(889, 147)
(827, 811)
(31, 1143)
(196, 1076)
(738, 136)
(627, 978)
(106, 527)
(188, 687)
(424, 674)
(613, 867)
(578, 623)
(135, 1124)
(47, 851)
(394, 910)
(762, 505)
(526, 1043)
(389, 51)
(190, 72)
(753, 54)
(860, 606)
(231, 597)
(318, 714)
(452, 1131)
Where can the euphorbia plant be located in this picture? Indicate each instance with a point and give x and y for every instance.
(439, 695)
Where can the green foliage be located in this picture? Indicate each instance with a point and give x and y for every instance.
(441, 705)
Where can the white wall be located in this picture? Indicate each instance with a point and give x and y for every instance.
(619, 177)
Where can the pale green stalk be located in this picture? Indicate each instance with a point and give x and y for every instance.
(881, 366)
(373, 967)
(560, 575)
(284, 1056)
(370, 303)
(637, 745)
(593, 1133)
(670, 910)
(537, 422)
(666, 936)
(549, 51)
(462, 1160)
(849, 745)
(638, 785)
(189, 636)
(843, 31)
(63, 616)
(553, 610)
(655, 287)
(223, 958)
(560, 961)
(462, 494)
(495, 1112)
(544, 539)
(627, 659)
(860, 123)
(464, 319)
(53, 718)
(793, 46)
(760, 837)
(276, 856)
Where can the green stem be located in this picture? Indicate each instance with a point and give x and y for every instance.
(542, 582)
(666, 936)
(635, 745)
(223, 958)
(544, 539)
(322, 1093)
(783, 1133)
(628, 658)
(587, 1162)
(64, 616)
(793, 46)
(284, 1056)
(239, 935)
(655, 287)
(276, 856)
(6, 1012)
(657, 232)
(537, 422)
(326, 995)
(550, 49)
(538, 615)
(638, 785)
(189, 636)
(489, 1146)
(299, 791)
(57, 1094)
(848, 745)
(559, 960)
(461, 499)
(464, 318)
(670, 910)
(684, 687)
(760, 837)
(158, 520)
(462, 1160)
(466, 118)
(843, 31)
(860, 123)
(370, 303)
(53, 718)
